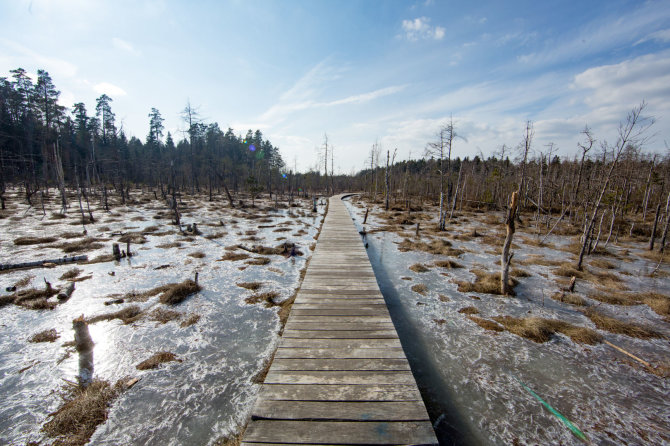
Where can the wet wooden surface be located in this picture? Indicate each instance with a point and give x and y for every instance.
(339, 375)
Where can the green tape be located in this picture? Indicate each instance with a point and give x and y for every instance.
(574, 429)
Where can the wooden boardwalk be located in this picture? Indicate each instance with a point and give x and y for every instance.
(340, 375)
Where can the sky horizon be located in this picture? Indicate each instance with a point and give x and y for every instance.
(360, 71)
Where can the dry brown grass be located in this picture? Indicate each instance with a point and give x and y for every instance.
(656, 256)
(192, 319)
(164, 316)
(486, 324)
(267, 297)
(658, 302)
(84, 409)
(127, 315)
(197, 254)
(44, 336)
(22, 241)
(485, 282)
(250, 285)
(156, 360)
(536, 259)
(420, 288)
(136, 238)
(443, 298)
(169, 245)
(602, 263)
(175, 293)
(617, 326)
(567, 269)
(541, 330)
(23, 282)
(518, 272)
(419, 268)
(70, 274)
(437, 247)
(215, 235)
(448, 264)
(469, 310)
(233, 257)
(569, 298)
(85, 244)
(259, 261)
(70, 235)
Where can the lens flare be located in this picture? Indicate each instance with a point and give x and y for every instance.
(252, 147)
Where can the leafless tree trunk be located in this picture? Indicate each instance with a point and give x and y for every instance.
(653, 231)
(630, 132)
(506, 256)
(667, 223)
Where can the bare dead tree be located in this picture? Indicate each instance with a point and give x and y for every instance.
(506, 256)
(630, 132)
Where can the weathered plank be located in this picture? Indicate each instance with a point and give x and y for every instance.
(341, 334)
(339, 392)
(339, 377)
(341, 432)
(339, 343)
(342, 411)
(340, 364)
(341, 353)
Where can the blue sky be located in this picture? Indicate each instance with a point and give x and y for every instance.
(362, 71)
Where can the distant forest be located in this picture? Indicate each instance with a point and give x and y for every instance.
(604, 186)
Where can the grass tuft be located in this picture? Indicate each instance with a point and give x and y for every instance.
(617, 326)
(44, 336)
(448, 264)
(157, 359)
(469, 310)
(541, 330)
(485, 282)
(22, 241)
(419, 268)
(84, 409)
(250, 285)
(420, 288)
(486, 324)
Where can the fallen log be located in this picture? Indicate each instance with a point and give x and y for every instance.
(40, 263)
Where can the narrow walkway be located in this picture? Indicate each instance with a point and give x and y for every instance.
(340, 375)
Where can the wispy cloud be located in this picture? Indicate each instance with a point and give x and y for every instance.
(125, 46)
(21, 56)
(662, 35)
(109, 89)
(601, 34)
(420, 29)
(305, 93)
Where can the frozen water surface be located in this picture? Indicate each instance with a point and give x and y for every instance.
(467, 374)
(196, 401)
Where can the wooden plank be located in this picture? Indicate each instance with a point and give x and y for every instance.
(341, 432)
(292, 325)
(340, 364)
(339, 343)
(339, 392)
(338, 319)
(341, 353)
(341, 334)
(339, 377)
(339, 312)
(341, 410)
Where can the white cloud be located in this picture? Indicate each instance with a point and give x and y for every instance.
(304, 93)
(109, 89)
(22, 56)
(662, 35)
(124, 46)
(420, 28)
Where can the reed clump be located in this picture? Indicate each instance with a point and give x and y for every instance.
(84, 409)
(613, 325)
(485, 282)
(45, 336)
(541, 330)
(157, 359)
(420, 288)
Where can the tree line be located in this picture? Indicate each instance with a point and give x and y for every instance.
(44, 144)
